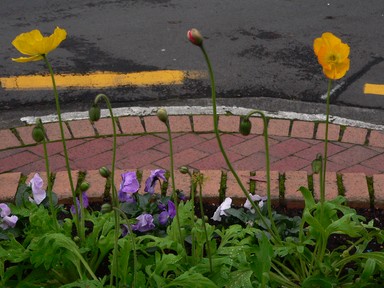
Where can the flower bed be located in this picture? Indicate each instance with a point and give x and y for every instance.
(159, 240)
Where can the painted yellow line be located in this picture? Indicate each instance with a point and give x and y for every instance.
(100, 79)
(377, 89)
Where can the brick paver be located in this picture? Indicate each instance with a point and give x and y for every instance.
(356, 189)
(8, 139)
(194, 143)
(302, 129)
(8, 187)
(354, 135)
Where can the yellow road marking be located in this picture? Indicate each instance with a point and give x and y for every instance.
(377, 89)
(100, 79)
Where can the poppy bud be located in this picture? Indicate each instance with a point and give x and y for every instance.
(84, 186)
(245, 126)
(162, 115)
(195, 37)
(94, 113)
(317, 164)
(105, 208)
(184, 170)
(104, 171)
(38, 134)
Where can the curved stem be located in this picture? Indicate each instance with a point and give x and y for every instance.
(77, 217)
(115, 201)
(267, 166)
(215, 125)
(174, 194)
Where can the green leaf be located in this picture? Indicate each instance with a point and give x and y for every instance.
(318, 282)
(192, 280)
(240, 279)
(369, 269)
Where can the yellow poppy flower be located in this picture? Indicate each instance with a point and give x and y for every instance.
(332, 55)
(34, 45)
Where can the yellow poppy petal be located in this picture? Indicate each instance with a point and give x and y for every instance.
(28, 59)
(25, 43)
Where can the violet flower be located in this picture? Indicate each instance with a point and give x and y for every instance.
(85, 203)
(7, 221)
(255, 197)
(167, 214)
(220, 211)
(38, 192)
(144, 224)
(151, 181)
(128, 186)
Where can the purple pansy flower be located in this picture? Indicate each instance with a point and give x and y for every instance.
(38, 192)
(85, 203)
(128, 186)
(151, 181)
(6, 220)
(144, 223)
(170, 214)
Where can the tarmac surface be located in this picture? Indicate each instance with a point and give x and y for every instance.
(355, 155)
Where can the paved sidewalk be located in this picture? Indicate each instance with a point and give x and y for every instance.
(356, 155)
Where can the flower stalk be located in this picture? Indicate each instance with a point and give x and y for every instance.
(229, 164)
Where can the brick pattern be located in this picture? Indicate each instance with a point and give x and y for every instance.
(357, 155)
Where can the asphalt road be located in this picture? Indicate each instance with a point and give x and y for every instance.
(261, 51)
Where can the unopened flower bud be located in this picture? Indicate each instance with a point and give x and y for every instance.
(195, 37)
(94, 113)
(38, 134)
(84, 186)
(184, 170)
(162, 115)
(245, 126)
(105, 208)
(317, 164)
(104, 171)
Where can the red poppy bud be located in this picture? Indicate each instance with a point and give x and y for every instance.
(195, 37)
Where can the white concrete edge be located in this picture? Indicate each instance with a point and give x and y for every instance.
(202, 110)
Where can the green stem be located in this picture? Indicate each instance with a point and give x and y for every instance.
(208, 246)
(49, 180)
(131, 235)
(216, 130)
(115, 200)
(174, 194)
(77, 217)
(267, 167)
(322, 192)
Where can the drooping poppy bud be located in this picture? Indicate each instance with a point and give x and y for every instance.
(317, 164)
(38, 134)
(94, 113)
(245, 126)
(104, 171)
(162, 115)
(195, 37)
